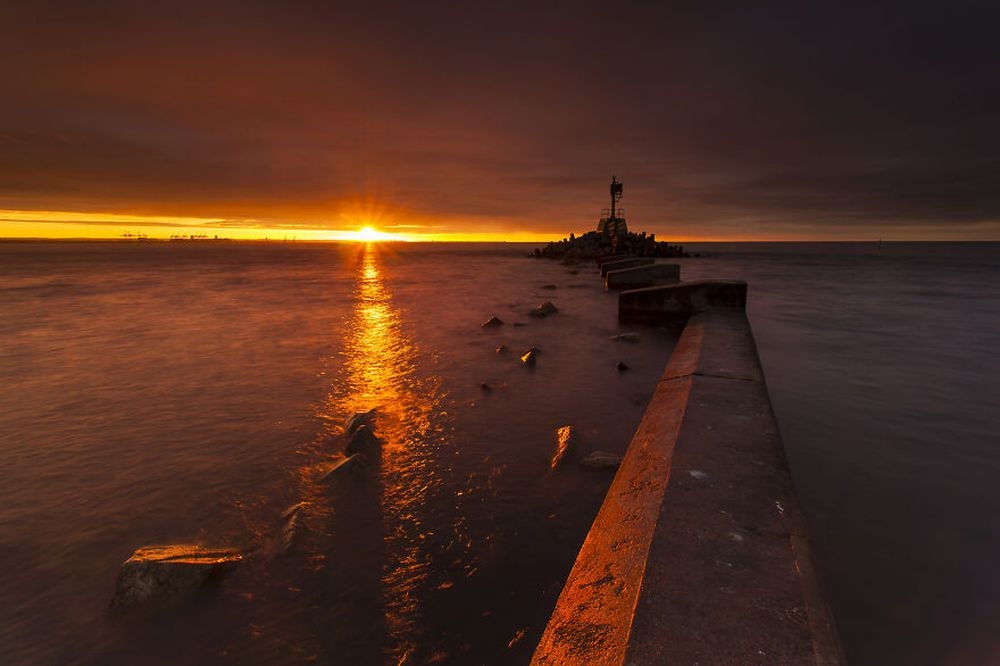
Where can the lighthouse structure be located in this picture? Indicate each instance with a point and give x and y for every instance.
(612, 224)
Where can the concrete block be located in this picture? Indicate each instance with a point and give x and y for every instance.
(643, 276)
(679, 301)
(631, 262)
(699, 552)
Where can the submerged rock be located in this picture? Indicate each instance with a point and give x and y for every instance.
(486, 386)
(493, 322)
(622, 367)
(565, 443)
(529, 357)
(500, 349)
(363, 439)
(168, 573)
(352, 464)
(544, 310)
(290, 527)
(601, 460)
(359, 419)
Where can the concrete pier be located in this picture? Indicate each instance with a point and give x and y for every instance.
(676, 302)
(604, 258)
(699, 553)
(625, 263)
(642, 276)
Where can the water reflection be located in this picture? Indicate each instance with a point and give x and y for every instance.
(382, 372)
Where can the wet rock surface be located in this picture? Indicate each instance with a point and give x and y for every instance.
(359, 419)
(601, 460)
(544, 310)
(363, 439)
(160, 574)
(493, 322)
(565, 444)
(353, 465)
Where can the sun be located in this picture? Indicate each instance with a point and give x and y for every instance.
(369, 234)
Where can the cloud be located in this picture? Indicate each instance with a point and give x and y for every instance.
(713, 113)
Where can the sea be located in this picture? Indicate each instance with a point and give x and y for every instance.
(194, 392)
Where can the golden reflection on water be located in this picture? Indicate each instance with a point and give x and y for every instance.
(381, 372)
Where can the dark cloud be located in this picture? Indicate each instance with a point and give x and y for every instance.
(812, 119)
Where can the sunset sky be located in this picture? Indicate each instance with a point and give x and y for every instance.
(500, 119)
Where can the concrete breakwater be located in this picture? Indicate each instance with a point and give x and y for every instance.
(699, 553)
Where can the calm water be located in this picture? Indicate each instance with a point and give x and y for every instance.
(153, 393)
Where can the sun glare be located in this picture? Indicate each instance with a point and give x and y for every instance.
(368, 234)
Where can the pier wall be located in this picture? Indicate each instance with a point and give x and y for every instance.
(678, 301)
(642, 276)
(631, 262)
(699, 553)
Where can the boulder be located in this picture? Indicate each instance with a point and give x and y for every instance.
(565, 443)
(359, 419)
(493, 322)
(601, 460)
(622, 367)
(528, 357)
(353, 464)
(544, 310)
(486, 386)
(169, 573)
(363, 439)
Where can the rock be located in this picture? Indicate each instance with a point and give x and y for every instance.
(550, 287)
(601, 460)
(168, 573)
(352, 464)
(357, 420)
(363, 439)
(290, 527)
(486, 387)
(544, 310)
(621, 366)
(500, 349)
(493, 322)
(626, 337)
(565, 443)
(528, 358)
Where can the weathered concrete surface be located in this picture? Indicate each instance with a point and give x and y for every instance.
(603, 259)
(659, 304)
(642, 276)
(626, 263)
(698, 554)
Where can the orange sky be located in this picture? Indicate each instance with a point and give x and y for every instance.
(500, 121)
